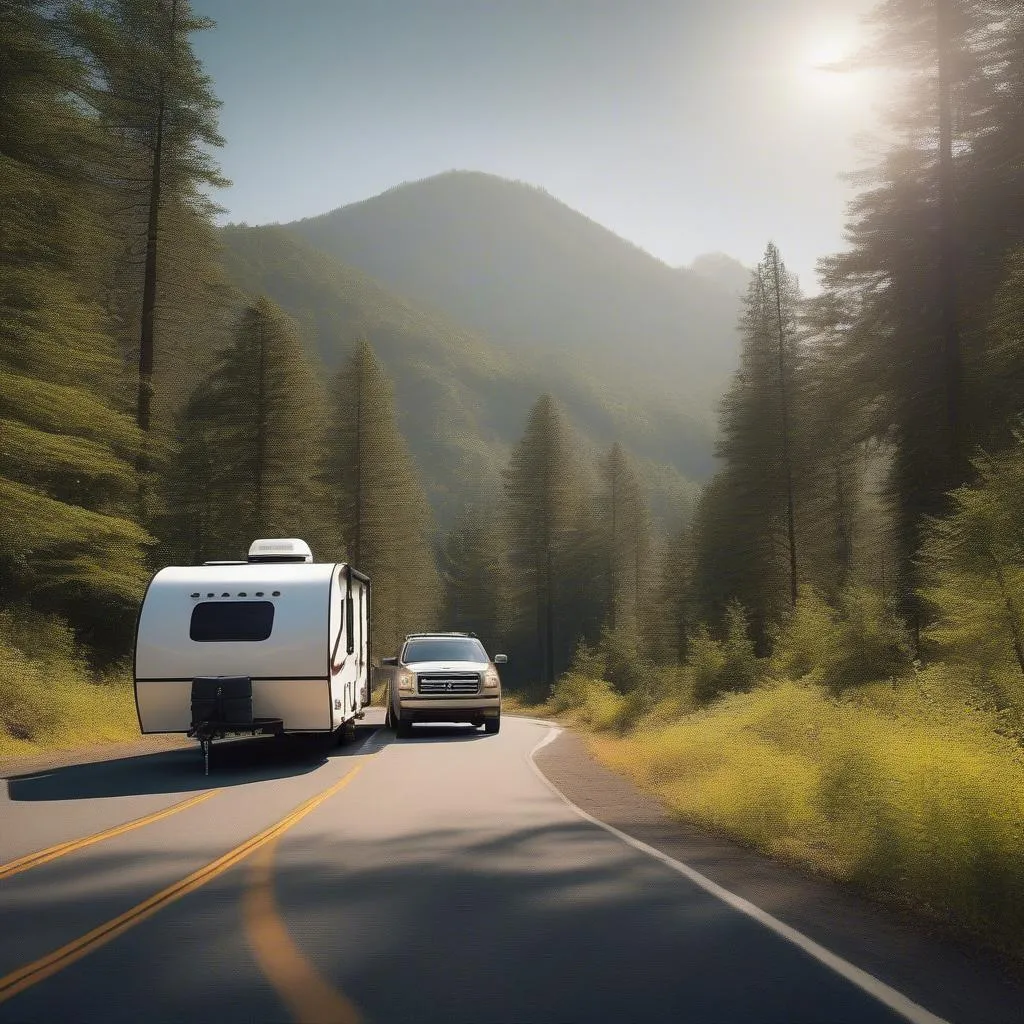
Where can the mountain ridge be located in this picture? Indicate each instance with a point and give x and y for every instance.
(512, 262)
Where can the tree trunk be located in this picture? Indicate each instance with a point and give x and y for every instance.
(147, 332)
(613, 581)
(357, 551)
(784, 400)
(261, 424)
(947, 277)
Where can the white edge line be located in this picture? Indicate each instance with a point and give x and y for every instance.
(866, 982)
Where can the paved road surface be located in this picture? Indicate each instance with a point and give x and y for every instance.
(432, 879)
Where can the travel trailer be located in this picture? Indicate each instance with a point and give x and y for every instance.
(275, 644)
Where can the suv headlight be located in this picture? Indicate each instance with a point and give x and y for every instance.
(406, 680)
(491, 679)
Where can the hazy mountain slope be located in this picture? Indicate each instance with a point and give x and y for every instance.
(543, 281)
(721, 270)
(462, 401)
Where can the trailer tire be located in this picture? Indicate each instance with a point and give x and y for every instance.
(492, 725)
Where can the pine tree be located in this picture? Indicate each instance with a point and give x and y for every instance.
(832, 456)
(544, 493)
(377, 502)
(929, 235)
(157, 109)
(758, 485)
(626, 536)
(252, 440)
(675, 603)
(67, 541)
(474, 575)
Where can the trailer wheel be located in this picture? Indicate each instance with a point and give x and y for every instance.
(347, 732)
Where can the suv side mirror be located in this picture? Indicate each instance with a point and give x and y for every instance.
(501, 659)
(389, 661)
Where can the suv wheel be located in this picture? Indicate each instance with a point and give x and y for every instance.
(492, 725)
(403, 728)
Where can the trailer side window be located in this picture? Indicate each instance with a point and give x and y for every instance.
(219, 621)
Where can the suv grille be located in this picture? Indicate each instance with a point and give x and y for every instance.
(454, 683)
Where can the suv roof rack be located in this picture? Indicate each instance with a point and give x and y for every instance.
(438, 632)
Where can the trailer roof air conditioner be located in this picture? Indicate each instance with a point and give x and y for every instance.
(284, 549)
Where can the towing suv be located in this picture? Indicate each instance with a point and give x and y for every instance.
(444, 677)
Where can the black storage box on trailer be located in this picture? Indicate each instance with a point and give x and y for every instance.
(222, 700)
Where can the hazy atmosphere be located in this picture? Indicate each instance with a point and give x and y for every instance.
(685, 126)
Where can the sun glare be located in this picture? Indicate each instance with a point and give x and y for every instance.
(816, 73)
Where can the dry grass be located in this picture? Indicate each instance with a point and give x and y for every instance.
(56, 703)
(910, 795)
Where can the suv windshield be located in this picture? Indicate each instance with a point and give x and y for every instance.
(455, 648)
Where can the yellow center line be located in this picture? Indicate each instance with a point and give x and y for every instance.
(34, 860)
(306, 994)
(46, 966)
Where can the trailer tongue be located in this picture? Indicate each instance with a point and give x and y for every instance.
(222, 706)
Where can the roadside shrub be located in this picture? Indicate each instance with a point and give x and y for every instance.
(591, 702)
(741, 670)
(804, 640)
(706, 662)
(867, 643)
(588, 661)
(626, 665)
(728, 666)
(856, 643)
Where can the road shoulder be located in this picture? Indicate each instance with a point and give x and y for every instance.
(10, 767)
(950, 979)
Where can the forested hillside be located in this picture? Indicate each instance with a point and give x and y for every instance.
(544, 282)
(461, 398)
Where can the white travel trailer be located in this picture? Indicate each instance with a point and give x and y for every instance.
(275, 644)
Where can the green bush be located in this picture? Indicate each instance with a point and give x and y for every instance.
(803, 642)
(706, 662)
(868, 643)
(727, 666)
(591, 702)
(859, 642)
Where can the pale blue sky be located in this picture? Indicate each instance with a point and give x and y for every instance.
(685, 126)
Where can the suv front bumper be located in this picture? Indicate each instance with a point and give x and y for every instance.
(442, 708)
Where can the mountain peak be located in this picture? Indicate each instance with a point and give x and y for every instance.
(542, 280)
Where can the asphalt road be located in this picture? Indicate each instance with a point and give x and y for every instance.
(439, 878)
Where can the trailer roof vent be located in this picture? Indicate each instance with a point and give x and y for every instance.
(289, 549)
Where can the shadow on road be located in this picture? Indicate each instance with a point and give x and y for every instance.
(432, 732)
(547, 923)
(232, 763)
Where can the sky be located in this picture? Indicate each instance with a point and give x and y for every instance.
(685, 126)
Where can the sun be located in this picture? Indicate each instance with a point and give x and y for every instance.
(816, 70)
(826, 52)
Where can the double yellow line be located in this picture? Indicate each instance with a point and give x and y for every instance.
(298, 984)
(34, 860)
